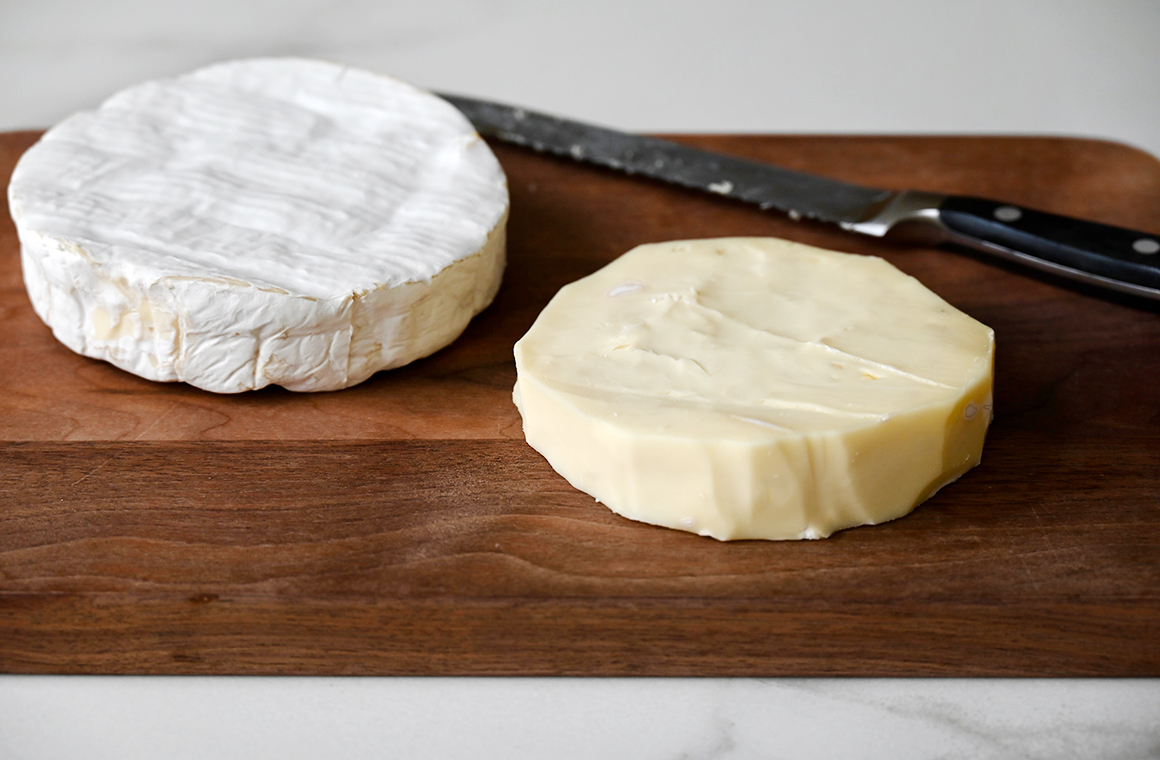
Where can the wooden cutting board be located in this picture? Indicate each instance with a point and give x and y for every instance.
(404, 527)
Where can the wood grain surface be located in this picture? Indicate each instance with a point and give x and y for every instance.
(403, 526)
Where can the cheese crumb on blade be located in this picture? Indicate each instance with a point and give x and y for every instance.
(754, 388)
(268, 221)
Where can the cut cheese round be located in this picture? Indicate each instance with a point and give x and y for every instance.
(754, 388)
(269, 221)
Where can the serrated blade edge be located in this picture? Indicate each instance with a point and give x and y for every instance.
(770, 187)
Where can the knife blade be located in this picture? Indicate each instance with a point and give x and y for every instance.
(1103, 255)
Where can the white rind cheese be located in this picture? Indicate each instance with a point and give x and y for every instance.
(755, 388)
(267, 221)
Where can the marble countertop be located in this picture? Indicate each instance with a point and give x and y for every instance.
(574, 719)
(1071, 67)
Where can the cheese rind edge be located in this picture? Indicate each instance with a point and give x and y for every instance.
(265, 221)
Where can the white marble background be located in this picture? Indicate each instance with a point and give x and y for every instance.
(574, 719)
(1060, 67)
(1072, 67)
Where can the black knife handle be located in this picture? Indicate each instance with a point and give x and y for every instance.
(1073, 247)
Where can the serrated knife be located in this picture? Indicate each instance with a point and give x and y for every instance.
(1110, 257)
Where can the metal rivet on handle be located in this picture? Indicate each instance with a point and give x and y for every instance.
(1146, 246)
(1007, 214)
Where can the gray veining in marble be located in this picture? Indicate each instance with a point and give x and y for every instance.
(353, 718)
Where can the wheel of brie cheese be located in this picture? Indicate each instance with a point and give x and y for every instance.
(755, 388)
(270, 221)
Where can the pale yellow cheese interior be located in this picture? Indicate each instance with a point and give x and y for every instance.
(755, 388)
